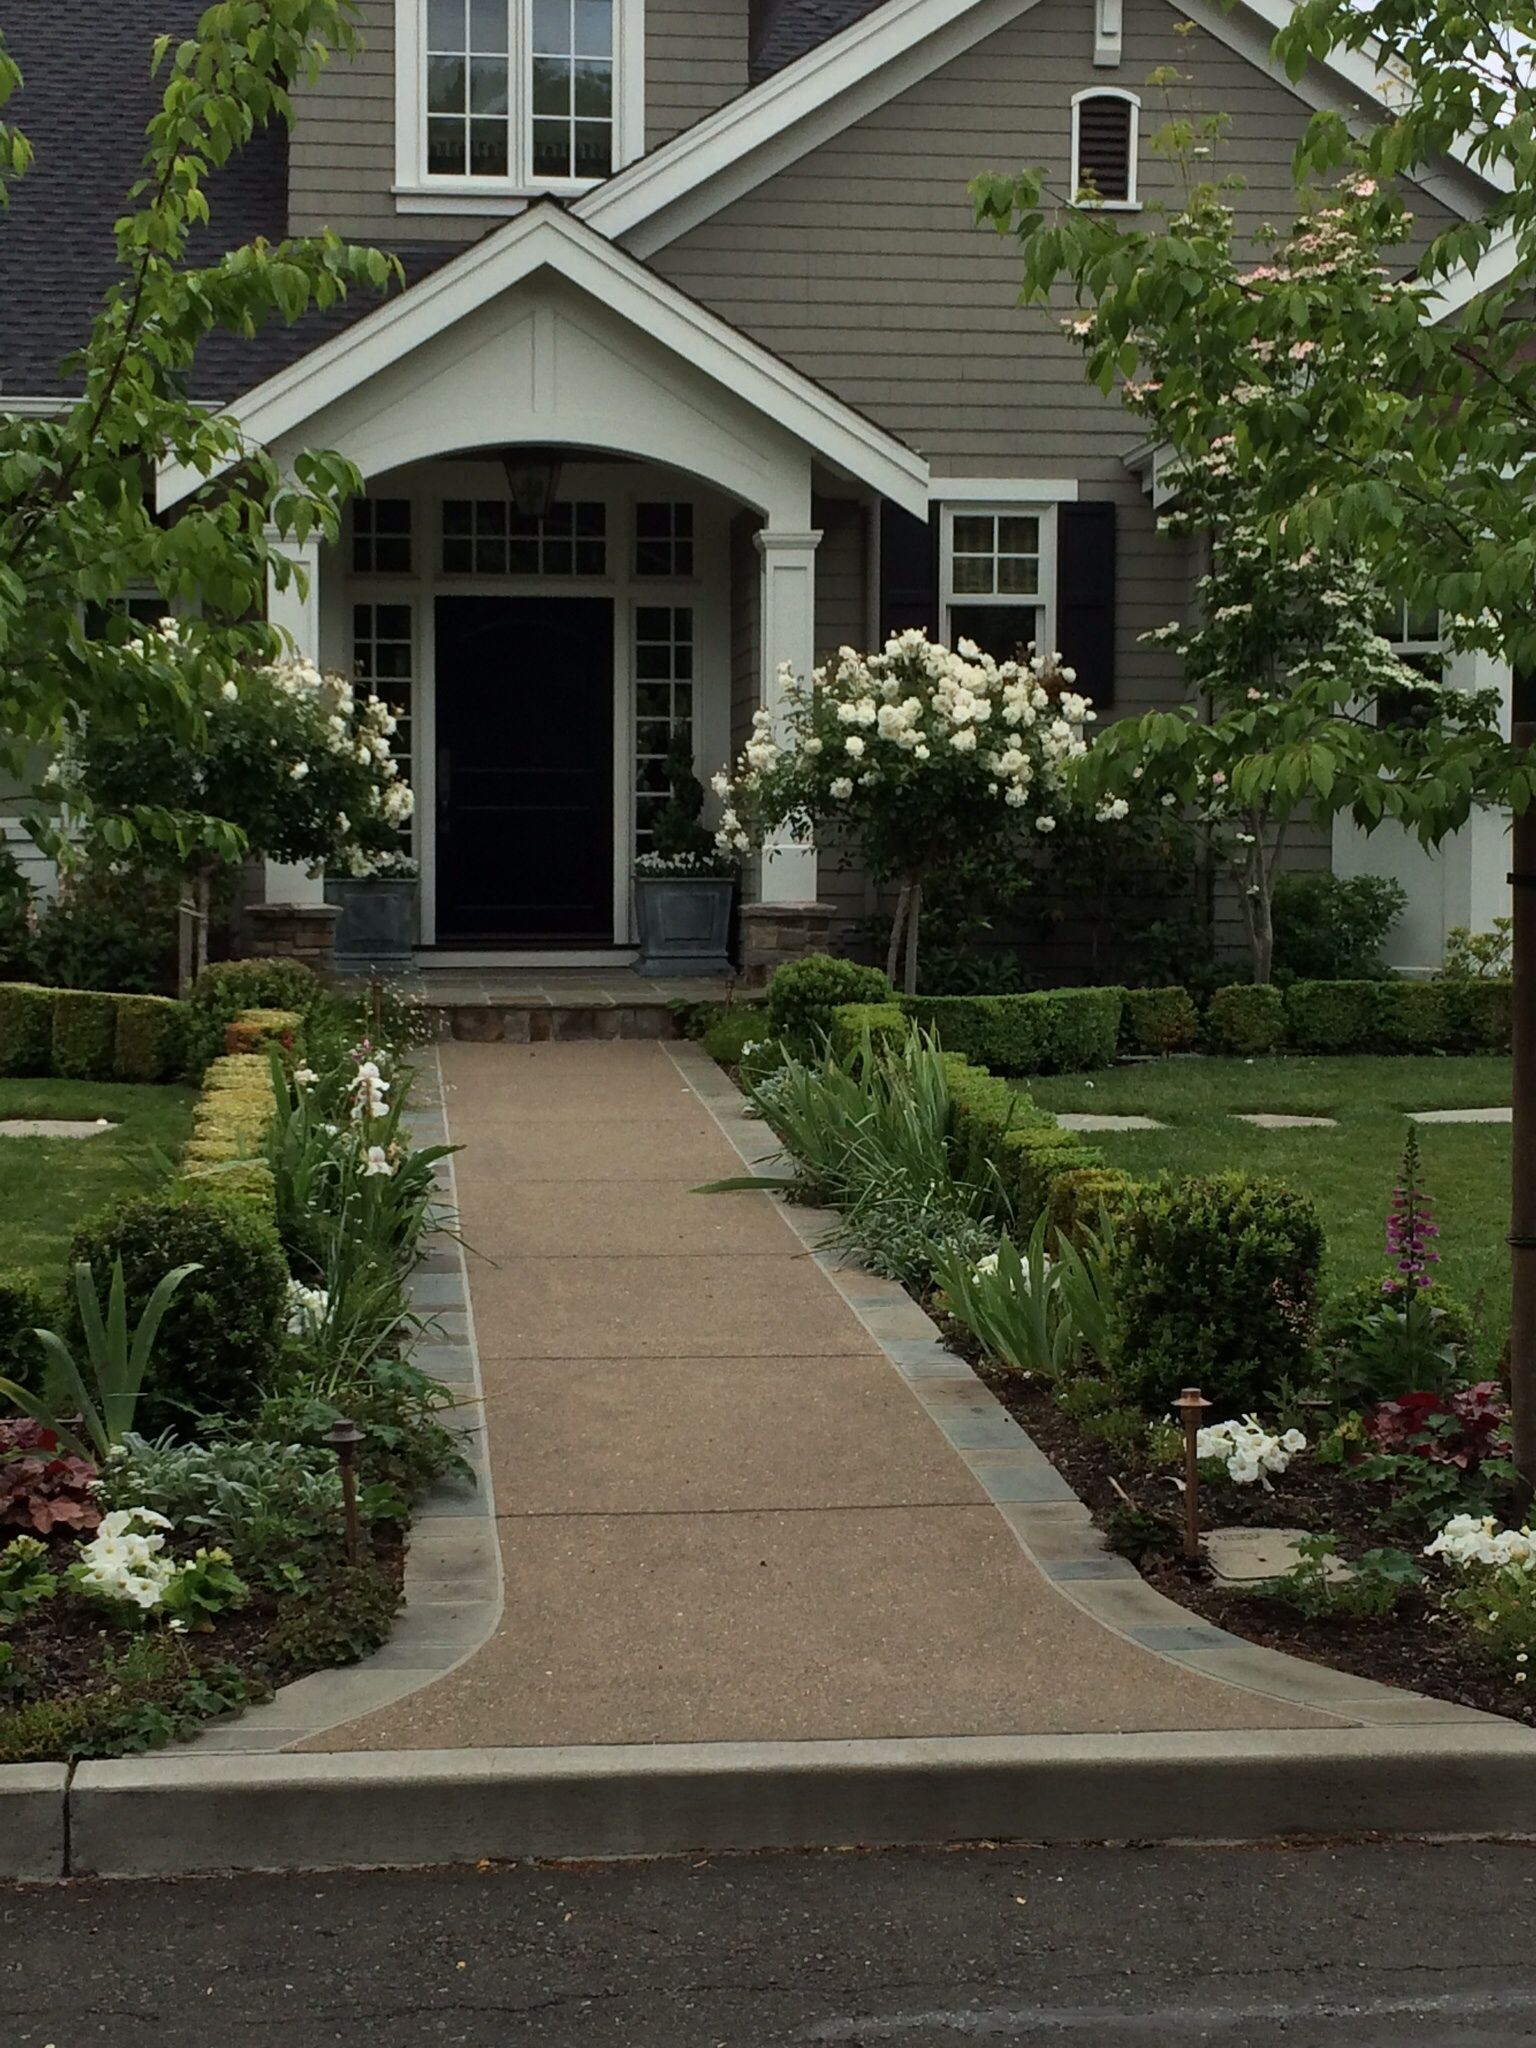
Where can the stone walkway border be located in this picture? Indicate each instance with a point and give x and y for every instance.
(1051, 1524)
(453, 1594)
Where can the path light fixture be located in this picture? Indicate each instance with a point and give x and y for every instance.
(343, 1438)
(1191, 1407)
(533, 477)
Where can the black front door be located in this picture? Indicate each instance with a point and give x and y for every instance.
(524, 769)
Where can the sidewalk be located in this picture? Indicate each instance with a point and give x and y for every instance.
(723, 1515)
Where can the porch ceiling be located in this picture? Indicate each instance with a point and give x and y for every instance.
(546, 332)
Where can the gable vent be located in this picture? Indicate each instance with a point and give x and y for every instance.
(1104, 156)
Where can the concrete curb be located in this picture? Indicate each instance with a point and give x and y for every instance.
(453, 1578)
(182, 1815)
(1053, 1527)
(33, 1841)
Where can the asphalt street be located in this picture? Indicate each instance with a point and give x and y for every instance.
(1352, 1946)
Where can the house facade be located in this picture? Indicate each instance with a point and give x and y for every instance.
(702, 369)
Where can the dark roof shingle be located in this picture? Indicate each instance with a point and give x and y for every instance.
(792, 27)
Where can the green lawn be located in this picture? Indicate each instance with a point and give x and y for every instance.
(48, 1185)
(1349, 1172)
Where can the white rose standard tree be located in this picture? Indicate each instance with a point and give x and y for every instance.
(302, 760)
(1382, 411)
(918, 753)
(79, 528)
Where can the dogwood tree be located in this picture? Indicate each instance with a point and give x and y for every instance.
(79, 529)
(917, 753)
(1382, 400)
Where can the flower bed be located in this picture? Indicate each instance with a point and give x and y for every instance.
(172, 1536)
(1089, 1300)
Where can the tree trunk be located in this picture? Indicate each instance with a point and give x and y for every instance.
(1522, 1220)
(914, 924)
(898, 930)
(202, 896)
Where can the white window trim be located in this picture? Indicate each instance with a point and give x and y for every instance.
(416, 192)
(1130, 204)
(1044, 601)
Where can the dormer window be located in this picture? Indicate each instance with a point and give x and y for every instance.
(1105, 124)
(499, 99)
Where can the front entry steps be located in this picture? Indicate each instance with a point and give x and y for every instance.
(536, 1007)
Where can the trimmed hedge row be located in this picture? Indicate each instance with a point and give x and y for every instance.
(229, 1127)
(1061, 1031)
(81, 1035)
(1058, 1031)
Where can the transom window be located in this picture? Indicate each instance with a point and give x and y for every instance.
(663, 706)
(1105, 127)
(381, 536)
(490, 537)
(663, 540)
(997, 569)
(1415, 637)
(521, 93)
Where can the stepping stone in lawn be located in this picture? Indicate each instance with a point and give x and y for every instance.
(1290, 1123)
(1462, 1116)
(50, 1127)
(1076, 1120)
(1243, 1557)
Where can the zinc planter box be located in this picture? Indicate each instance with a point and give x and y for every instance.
(685, 923)
(377, 926)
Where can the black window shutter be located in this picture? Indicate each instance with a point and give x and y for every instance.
(909, 572)
(1085, 596)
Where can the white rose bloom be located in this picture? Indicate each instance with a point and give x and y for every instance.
(842, 789)
(854, 745)
(299, 771)
(963, 741)
(1044, 824)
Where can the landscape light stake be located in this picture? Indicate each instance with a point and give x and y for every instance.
(343, 1438)
(1522, 1218)
(1191, 1405)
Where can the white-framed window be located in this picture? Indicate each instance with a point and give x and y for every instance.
(997, 577)
(1415, 637)
(664, 706)
(490, 537)
(384, 666)
(501, 98)
(1106, 136)
(663, 538)
(381, 536)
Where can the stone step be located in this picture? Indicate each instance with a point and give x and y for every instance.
(513, 1021)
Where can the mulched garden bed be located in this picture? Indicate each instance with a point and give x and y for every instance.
(79, 1686)
(1418, 1648)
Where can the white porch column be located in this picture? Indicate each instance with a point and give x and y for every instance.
(297, 612)
(788, 608)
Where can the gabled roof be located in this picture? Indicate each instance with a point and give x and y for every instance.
(547, 238)
(869, 53)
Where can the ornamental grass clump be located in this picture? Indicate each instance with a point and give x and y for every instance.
(916, 754)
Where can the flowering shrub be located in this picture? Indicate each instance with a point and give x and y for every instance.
(915, 753)
(43, 1487)
(1248, 1450)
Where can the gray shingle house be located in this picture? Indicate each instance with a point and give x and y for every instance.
(702, 369)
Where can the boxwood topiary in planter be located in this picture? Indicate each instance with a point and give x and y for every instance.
(1215, 1287)
(221, 1336)
(1245, 1021)
(84, 1034)
(26, 1028)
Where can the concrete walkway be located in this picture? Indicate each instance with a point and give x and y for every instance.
(723, 1514)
